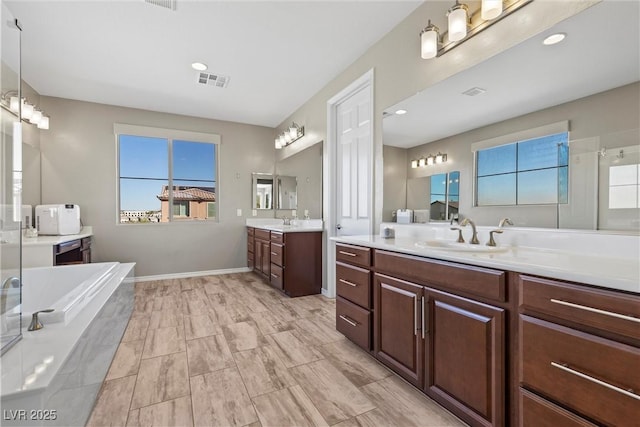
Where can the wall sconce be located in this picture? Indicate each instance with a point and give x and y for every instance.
(429, 160)
(462, 26)
(289, 136)
(29, 113)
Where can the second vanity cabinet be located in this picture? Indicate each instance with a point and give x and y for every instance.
(291, 262)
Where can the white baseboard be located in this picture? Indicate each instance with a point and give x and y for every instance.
(192, 274)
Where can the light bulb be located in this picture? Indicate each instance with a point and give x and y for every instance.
(293, 132)
(429, 41)
(14, 104)
(457, 19)
(491, 9)
(27, 110)
(44, 123)
(430, 160)
(35, 117)
(414, 164)
(422, 162)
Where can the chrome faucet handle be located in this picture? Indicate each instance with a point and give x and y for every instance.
(460, 238)
(36, 324)
(491, 241)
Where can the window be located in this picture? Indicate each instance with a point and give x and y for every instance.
(624, 187)
(166, 175)
(534, 171)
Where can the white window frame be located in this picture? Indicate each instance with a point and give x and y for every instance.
(170, 135)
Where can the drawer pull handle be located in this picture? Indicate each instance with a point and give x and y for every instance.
(347, 253)
(346, 282)
(566, 368)
(273, 253)
(596, 310)
(415, 315)
(423, 317)
(275, 276)
(349, 321)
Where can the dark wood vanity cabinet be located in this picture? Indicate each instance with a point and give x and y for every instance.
(73, 252)
(289, 262)
(579, 354)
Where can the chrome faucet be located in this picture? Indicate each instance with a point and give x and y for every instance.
(474, 236)
(286, 221)
(10, 282)
(504, 221)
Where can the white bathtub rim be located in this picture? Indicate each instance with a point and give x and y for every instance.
(59, 340)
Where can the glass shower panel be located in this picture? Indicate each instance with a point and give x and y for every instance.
(10, 183)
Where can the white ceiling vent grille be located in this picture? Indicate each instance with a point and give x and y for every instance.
(474, 91)
(213, 79)
(167, 4)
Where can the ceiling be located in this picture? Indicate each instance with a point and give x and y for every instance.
(277, 54)
(601, 52)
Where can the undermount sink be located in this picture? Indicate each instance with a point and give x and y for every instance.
(446, 245)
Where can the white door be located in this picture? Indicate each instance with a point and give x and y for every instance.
(353, 164)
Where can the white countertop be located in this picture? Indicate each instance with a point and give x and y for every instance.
(598, 270)
(296, 226)
(55, 240)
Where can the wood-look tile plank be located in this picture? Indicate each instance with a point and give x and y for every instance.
(404, 405)
(220, 399)
(284, 313)
(136, 329)
(269, 324)
(175, 412)
(160, 379)
(208, 354)
(316, 332)
(243, 336)
(292, 350)
(287, 407)
(262, 371)
(126, 360)
(332, 393)
(354, 363)
(201, 325)
(112, 403)
(166, 319)
(163, 341)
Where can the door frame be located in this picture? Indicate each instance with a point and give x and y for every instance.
(329, 169)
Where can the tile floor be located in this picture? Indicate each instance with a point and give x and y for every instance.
(230, 351)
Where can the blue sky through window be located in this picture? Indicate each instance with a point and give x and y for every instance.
(144, 168)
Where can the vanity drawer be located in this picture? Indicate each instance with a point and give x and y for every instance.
(277, 237)
(477, 281)
(591, 375)
(277, 253)
(276, 276)
(262, 234)
(353, 322)
(604, 310)
(356, 255)
(538, 412)
(354, 284)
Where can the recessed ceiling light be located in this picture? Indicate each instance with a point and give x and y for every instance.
(199, 66)
(401, 112)
(553, 39)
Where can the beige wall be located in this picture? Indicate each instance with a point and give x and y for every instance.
(590, 119)
(395, 180)
(79, 166)
(400, 72)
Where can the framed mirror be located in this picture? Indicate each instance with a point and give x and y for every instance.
(263, 190)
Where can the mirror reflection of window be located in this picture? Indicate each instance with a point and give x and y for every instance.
(624, 187)
(444, 196)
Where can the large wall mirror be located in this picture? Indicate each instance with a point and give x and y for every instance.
(598, 101)
(300, 183)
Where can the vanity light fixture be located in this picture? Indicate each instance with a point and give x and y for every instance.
(462, 24)
(429, 160)
(289, 136)
(28, 112)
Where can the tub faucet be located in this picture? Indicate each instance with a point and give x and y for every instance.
(10, 282)
(474, 237)
(504, 221)
(35, 323)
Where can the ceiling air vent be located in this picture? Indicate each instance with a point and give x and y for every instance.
(474, 91)
(167, 4)
(213, 79)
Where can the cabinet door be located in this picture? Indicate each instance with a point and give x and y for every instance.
(464, 360)
(257, 260)
(397, 328)
(266, 258)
